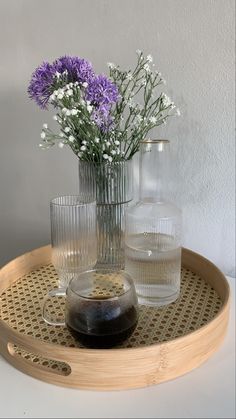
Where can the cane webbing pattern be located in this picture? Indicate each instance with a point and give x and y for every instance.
(21, 308)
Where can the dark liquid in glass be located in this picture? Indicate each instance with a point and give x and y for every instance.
(101, 325)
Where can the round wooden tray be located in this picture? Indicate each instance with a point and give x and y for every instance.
(167, 342)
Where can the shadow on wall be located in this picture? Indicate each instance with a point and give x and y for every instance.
(29, 176)
(202, 184)
(194, 160)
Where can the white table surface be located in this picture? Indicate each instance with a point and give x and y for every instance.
(206, 392)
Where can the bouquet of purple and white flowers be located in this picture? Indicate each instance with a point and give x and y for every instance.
(98, 117)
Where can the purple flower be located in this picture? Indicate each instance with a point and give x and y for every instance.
(78, 69)
(101, 92)
(102, 118)
(41, 84)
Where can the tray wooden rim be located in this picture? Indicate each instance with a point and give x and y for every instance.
(20, 266)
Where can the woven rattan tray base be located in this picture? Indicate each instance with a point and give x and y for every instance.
(50, 353)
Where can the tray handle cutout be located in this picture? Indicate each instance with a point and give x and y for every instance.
(37, 361)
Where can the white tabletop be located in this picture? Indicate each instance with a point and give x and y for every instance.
(207, 392)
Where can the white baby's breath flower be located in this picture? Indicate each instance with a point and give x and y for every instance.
(80, 154)
(152, 119)
(61, 135)
(149, 58)
(60, 95)
(84, 142)
(105, 156)
(42, 135)
(68, 112)
(108, 143)
(111, 66)
(74, 112)
(41, 145)
(89, 108)
(71, 138)
(165, 100)
(117, 142)
(118, 151)
(96, 140)
(54, 117)
(52, 98)
(162, 81)
(60, 145)
(85, 84)
(45, 126)
(58, 75)
(131, 103)
(69, 92)
(55, 93)
(67, 129)
(147, 68)
(110, 159)
(113, 152)
(129, 76)
(83, 148)
(138, 120)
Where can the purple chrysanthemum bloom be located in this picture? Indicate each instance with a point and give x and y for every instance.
(101, 92)
(40, 87)
(42, 80)
(102, 118)
(78, 69)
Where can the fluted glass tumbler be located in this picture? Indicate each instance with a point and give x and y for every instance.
(73, 236)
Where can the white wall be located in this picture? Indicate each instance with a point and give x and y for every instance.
(192, 42)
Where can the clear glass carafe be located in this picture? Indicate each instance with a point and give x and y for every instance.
(153, 231)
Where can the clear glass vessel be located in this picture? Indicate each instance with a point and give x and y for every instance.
(153, 231)
(111, 184)
(73, 236)
(101, 308)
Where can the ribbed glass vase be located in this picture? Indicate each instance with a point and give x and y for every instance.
(111, 184)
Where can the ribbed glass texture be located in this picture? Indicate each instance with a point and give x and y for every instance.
(111, 184)
(73, 236)
(153, 231)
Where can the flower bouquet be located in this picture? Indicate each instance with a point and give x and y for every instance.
(102, 119)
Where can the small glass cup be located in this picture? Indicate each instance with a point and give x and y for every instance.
(73, 236)
(101, 308)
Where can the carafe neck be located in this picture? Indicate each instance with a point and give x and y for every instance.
(154, 170)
